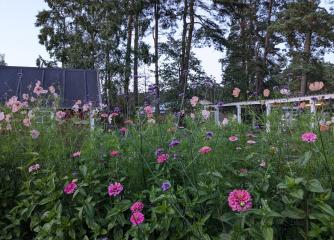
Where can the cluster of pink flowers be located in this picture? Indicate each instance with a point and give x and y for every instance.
(26, 122)
(38, 90)
(205, 150)
(114, 189)
(194, 101)
(70, 187)
(60, 115)
(240, 200)
(76, 106)
(309, 137)
(14, 104)
(137, 217)
(162, 158)
(34, 134)
(123, 130)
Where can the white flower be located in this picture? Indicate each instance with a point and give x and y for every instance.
(192, 115)
(285, 91)
(205, 114)
(225, 122)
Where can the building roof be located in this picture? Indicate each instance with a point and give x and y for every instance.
(70, 84)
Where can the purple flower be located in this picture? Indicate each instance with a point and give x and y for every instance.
(220, 104)
(152, 89)
(209, 135)
(159, 151)
(117, 109)
(174, 143)
(165, 186)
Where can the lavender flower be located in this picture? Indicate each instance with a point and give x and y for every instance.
(159, 151)
(165, 186)
(209, 135)
(174, 143)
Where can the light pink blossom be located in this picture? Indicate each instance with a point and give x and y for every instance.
(60, 115)
(233, 138)
(236, 92)
(26, 122)
(194, 101)
(205, 114)
(76, 154)
(25, 97)
(2, 116)
(38, 90)
(205, 150)
(34, 134)
(34, 168)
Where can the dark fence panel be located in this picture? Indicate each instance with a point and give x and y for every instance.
(71, 84)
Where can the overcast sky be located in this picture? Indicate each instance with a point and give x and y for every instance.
(19, 42)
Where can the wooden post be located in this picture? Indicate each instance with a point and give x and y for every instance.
(268, 111)
(313, 109)
(239, 113)
(217, 115)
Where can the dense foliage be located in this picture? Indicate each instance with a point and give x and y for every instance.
(149, 179)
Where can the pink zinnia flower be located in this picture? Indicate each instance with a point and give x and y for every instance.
(70, 187)
(194, 101)
(309, 137)
(26, 122)
(76, 154)
(16, 106)
(114, 153)
(233, 138)
(162, 158)
(34, 168)
(240, 200)
(137, 207)
(114, 189)
(60, 115)
(2, 116)
(38, 90)
(205, 150)
(11, 101)
(34, 134)
(266, 92)
(137, 218)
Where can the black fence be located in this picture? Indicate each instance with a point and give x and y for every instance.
(70, 84)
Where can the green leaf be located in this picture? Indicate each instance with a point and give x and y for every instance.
(293, 213)
(314, 186)
(297, 193)
(268, 233)
(303, 161)
(326, 208)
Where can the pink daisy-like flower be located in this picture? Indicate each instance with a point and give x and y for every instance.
(60, 115)
(162, 158)
(240, 200)
(233, 138)
(205, 150)
(137, 218)
(34, 134)
(34, 168)
(76, 154)
(70, 187)
(137, 207)
(26, 122)
(38, 90)
(16, 106)
(309, 137)
(114, 189)
(114, 153)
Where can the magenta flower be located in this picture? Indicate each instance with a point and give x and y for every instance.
(137, 207)
(60, 115)
(70, 187)
(162, 158)
(114, 153)
(309, 137)
(137, 218)
(205, 150)
(233, 138)
(123, 130)
(240, 200)
(114, 189)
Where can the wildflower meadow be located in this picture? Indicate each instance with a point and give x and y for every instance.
(147, 178)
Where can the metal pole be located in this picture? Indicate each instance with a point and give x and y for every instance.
(239, 113)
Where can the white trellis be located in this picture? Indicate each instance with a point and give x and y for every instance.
(268, 103)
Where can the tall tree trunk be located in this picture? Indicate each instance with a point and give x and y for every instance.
(156, 53)
(135, 60)
(306, 60)
(127, 73)
(189, 42)
(261, 66)
(183, 47)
